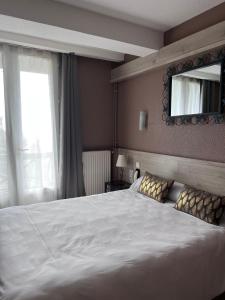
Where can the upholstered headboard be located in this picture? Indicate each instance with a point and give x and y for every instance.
(206, 175)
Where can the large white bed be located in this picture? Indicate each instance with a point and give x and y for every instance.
(115, 246)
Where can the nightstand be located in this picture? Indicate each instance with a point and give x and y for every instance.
(116, 185)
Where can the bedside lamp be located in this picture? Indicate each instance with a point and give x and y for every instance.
(121, 163)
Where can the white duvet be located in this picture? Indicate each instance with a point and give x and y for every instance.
(114, 246)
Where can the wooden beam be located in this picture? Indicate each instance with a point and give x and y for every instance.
(201, 41)
(92, 29)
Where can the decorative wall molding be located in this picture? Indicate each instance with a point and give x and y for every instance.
(202, 41)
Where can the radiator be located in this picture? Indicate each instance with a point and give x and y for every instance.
(97, 170)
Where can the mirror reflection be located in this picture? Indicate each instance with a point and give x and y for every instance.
(196, 91)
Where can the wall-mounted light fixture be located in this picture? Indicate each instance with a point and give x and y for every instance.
(143, 117)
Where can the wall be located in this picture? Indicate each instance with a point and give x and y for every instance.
(96, 96)
(145, 93)
(204, 20)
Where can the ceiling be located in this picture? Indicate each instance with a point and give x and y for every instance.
(95, 28)
(157, 14)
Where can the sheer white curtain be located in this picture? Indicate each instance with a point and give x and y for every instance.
(186, 96)
(28, 126)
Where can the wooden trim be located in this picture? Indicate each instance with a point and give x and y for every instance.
(199, 42)
(205, 175)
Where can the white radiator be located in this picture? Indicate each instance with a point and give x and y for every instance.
(97, 170)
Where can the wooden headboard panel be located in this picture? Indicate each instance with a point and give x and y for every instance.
(206, 175)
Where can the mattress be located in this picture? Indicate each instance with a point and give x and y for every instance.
(119, 245)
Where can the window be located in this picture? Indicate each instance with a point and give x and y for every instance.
(28, 140)
(186, 95)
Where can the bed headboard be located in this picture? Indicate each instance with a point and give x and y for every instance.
(205, 175)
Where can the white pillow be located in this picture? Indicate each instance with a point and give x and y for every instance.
(135, 185)
(175, 191)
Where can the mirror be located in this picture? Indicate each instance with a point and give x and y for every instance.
(197, 91)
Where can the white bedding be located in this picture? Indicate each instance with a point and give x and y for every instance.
(114, 246)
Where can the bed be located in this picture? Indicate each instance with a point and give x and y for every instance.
(119, 245)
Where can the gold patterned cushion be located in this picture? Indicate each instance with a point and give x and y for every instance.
(200, 204)
(155, 187)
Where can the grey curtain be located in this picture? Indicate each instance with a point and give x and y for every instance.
(71, 182)
(211, 96)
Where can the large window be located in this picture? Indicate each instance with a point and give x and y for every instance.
(28, 140)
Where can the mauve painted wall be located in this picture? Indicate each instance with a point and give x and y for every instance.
(145, 93)
(96, 94)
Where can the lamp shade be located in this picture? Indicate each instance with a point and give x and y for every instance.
(121, 161)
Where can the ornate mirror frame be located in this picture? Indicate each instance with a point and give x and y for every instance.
(187, 65)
